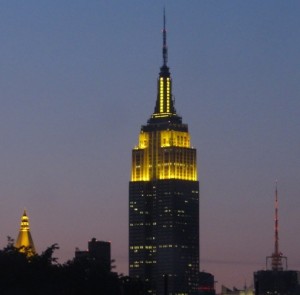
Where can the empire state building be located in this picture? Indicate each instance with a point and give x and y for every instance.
(164, 199)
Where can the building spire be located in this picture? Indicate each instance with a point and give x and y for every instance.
(164, 107)
(165, 47)
(24, 241)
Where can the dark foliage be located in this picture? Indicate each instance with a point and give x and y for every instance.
(25, 274)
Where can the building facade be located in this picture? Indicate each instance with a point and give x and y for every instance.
(206, 283)
(234, 291)
(164, 199)
(98, 251)
(281, 282)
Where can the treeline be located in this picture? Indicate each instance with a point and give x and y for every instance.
(24, 273)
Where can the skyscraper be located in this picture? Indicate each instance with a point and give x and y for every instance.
(24, 240)
(164, 199)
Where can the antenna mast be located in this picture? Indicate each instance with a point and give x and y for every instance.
(165, 47)
(277, 257)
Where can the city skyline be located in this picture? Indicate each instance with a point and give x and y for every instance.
(71, 70)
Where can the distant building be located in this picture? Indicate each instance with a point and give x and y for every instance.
(24, 240)
(281, 282)
(277, 280)
(235, 291)
(81, 254)
(99, 251)
(206, 284)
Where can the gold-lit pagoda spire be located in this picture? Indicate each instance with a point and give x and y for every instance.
(24, 241)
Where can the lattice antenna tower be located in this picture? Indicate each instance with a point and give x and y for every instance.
(276, 259)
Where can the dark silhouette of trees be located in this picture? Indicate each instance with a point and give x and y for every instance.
(25, 274)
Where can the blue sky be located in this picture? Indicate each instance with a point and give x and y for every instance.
(78, 79)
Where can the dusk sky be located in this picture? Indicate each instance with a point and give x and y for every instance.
(77, 81)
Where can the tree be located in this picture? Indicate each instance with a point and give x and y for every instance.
(43, 275)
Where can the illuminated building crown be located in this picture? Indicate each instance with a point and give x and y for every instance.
(164, 150)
